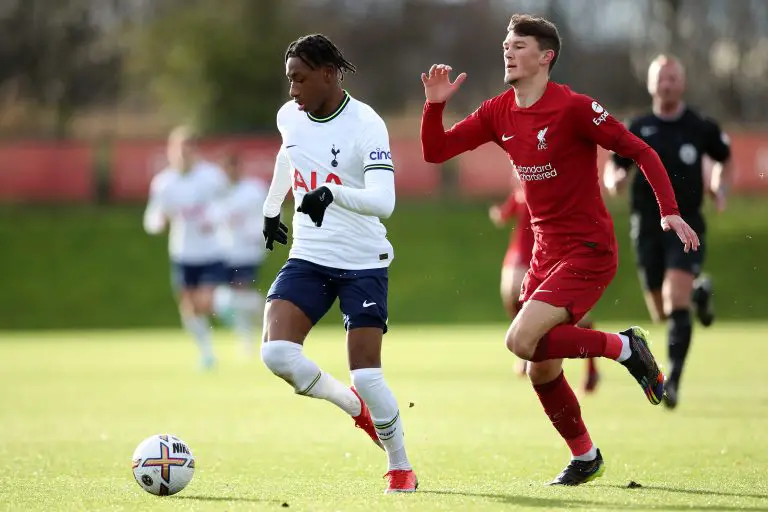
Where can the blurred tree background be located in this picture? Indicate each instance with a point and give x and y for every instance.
(95, 68)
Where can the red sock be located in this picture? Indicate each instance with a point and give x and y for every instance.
(571, 342)
(564, 412)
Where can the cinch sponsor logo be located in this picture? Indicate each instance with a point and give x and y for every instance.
(536, 172)
(380, 154)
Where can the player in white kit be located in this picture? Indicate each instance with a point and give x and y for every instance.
(183, 195)
(335, 157)
(241, 224)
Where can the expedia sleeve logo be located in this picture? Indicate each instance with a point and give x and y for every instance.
(603, 114)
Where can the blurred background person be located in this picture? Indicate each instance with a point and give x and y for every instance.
(184, 196)
(682, 137)
(240, 221)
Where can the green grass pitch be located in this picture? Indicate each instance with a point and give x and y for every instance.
(73, 406)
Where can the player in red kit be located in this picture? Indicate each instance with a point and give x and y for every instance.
(516, 263)
(551, 135)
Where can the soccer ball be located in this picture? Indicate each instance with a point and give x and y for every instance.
(163, 464)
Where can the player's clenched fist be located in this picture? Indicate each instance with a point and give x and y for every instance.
(314, 204)
(437, 84)
(274, 231)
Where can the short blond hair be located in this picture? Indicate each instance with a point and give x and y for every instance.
(662, 60)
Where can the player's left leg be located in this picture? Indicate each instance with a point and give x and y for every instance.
(677, 290)
(563, 409)
(363, 301)
(543, 331)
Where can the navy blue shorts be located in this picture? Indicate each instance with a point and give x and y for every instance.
(194, 276)
(313, 289)
(242, 275)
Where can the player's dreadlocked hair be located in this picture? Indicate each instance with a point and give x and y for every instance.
(316, 50)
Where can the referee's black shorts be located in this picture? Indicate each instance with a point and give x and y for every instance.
(657, 250)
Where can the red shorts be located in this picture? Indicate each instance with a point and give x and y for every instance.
(575, 282)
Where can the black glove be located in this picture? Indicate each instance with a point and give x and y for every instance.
(275, 231)
(314, 204)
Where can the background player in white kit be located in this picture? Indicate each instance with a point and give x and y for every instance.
(239, 215)
(183, 195)
(335, 154)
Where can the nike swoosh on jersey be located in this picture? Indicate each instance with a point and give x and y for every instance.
(291, 146)
(367, 304)
(504, 137)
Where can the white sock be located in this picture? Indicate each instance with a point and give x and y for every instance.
(286, 360)
(625, 350)
(373, 389)
(247, 305)
(590, 455)
(200, 329)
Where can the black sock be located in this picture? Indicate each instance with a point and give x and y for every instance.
(679, 340)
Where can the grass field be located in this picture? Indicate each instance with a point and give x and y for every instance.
(74, 405)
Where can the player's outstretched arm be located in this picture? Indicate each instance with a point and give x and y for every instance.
(598, 125)
(274, 229)
(438, 145)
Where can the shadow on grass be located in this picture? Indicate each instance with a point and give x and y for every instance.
(697, 492)
(224, 499)
(530, 501)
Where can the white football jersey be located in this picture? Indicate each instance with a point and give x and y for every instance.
(339, 149)
(241, 222)
(186, 201)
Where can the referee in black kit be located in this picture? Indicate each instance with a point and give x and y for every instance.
(670, 277)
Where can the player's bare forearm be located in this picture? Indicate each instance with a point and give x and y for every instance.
(615, 178)
(721, 176)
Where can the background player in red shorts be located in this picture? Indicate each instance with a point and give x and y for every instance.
(551, 134)
(517, 260)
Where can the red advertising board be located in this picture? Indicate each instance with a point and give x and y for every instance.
(46, 171)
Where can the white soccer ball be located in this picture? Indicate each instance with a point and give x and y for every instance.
(163, 464)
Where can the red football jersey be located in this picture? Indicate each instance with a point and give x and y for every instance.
(553, 147)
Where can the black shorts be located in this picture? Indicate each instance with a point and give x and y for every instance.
(657, 250)
(313, 289)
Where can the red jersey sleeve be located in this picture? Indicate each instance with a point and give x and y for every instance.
(592, 121)
(439, 145)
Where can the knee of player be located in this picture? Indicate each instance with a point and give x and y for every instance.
(278, 357)
(520, 344)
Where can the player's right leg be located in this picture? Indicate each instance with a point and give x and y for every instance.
(300, 296)
(563, 409)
